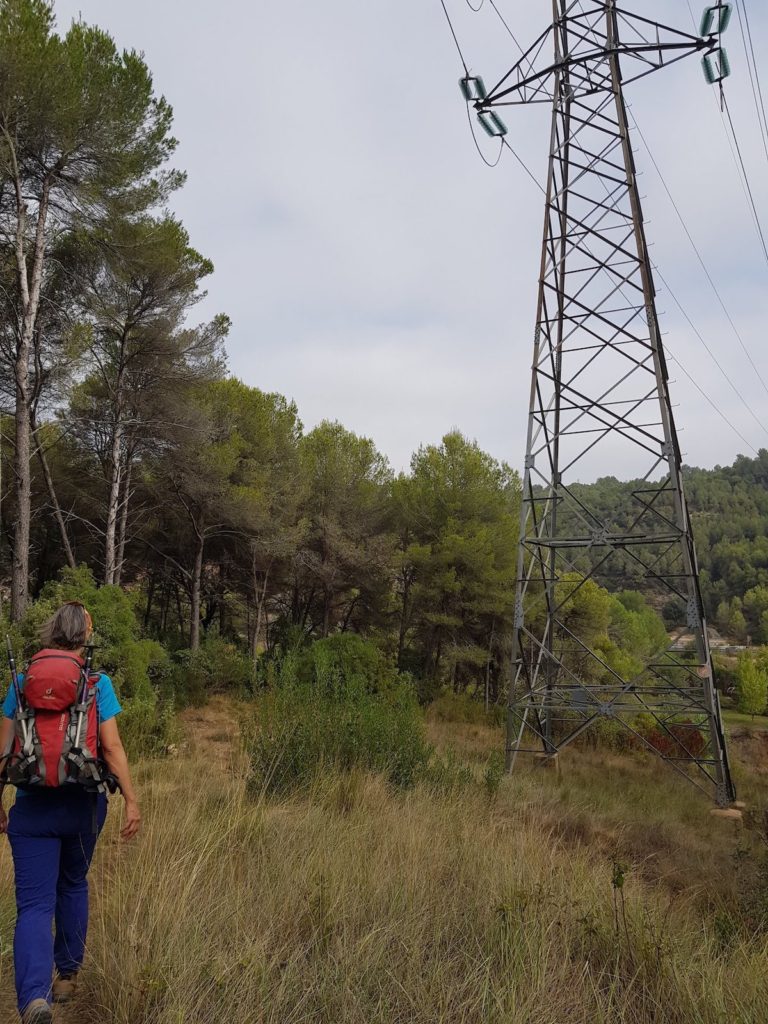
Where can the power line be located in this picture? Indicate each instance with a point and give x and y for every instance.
(506, 26)
(698, 253)
(714, 358)
(695, 330)
(735, 161)
(455, 37)
(483, 157)
(740, 169)
(753, 79)
(713, 405)
(504, 142)
(525, 167)
(534, 179)
(746, 177)
(754, 62)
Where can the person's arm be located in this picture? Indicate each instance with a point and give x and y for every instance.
(117, 761)
(6, 733)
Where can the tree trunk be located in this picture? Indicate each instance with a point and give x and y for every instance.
(179, 613)
(165, 602)
(30, 299)
(113, 503)
(404, 613)
(57, 513)
(260, 596)
(438, 654)
(348, 616)
(197, 582)
(327, 599)
(488, 669)
(23, 478)
(222, 604)
(307, 608)
(295, 606)
(150, 596)
(123, 524)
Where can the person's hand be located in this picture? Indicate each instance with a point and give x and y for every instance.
(132, 820)
(3, 821)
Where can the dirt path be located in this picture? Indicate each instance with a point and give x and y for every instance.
(213, 731)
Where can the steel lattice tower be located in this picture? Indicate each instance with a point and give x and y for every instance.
(600, 389)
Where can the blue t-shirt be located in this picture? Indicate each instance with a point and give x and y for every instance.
(107, 703)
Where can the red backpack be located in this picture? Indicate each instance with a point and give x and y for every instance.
(56, 725)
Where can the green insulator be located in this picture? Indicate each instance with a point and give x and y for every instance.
(492, 123)
(715, 19)
(707, 21)
(472, 88)
(708, 67)
(716, 66)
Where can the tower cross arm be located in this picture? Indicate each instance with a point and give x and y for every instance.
(583, 51)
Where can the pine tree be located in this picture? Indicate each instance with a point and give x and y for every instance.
(81, 134)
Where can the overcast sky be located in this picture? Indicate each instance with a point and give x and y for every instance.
(374, 269)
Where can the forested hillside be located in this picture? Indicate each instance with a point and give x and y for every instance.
(729, 508)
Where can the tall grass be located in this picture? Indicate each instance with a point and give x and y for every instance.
(353, 903)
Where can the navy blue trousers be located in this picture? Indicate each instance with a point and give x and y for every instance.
(52, 840)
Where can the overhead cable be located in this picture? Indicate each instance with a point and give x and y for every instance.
(699, 257)
(483, 157)
(504, 22)
(713, 404)
(530, 174)
(525, 167)
(746, 177)
(455, 37)
(754, 63)
(760, 422)
(754, 80)
(740, 168)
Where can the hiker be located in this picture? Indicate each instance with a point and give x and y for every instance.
(54, 824)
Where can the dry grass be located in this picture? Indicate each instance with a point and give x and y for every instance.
(354, 905)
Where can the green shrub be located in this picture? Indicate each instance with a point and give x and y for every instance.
(338, 706)
(493, 774)
(602, 734)
(138, 667)
(465, 710)
(215, 667)
(751, 686)
(447, 773)
(148, 726)
(345, 656)
(114, 618)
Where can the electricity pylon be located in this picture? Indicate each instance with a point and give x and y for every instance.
(600, 390)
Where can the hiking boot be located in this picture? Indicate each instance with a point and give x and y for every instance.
(38, 1012)
(64, 986)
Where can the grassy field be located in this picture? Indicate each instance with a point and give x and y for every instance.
(731, 717)
(602, 893)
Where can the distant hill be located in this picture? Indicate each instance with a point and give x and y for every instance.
(729, 509)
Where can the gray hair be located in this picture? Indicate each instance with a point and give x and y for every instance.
(68, 628)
